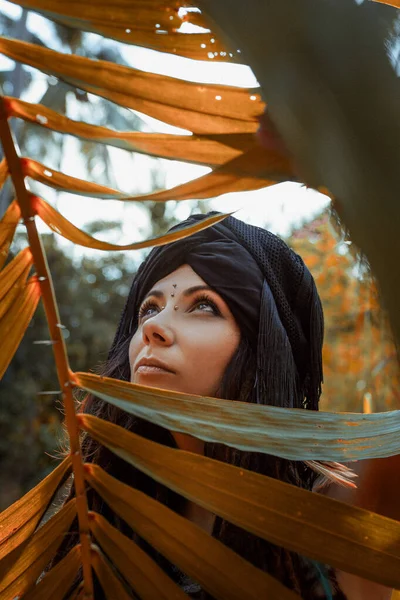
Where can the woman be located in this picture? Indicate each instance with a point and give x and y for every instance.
(230, 312)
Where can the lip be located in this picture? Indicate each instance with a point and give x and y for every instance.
(152, 365)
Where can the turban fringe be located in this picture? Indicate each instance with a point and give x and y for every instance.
(308, 300)
(277, 379)
(298, 305)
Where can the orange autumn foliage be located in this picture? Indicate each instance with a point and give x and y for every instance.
(359, 353)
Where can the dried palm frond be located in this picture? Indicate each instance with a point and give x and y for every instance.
(223, 120)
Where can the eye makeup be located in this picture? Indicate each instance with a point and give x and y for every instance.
(199, 299)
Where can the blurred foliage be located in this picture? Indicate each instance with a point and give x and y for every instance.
(361, 370)
(91, 294)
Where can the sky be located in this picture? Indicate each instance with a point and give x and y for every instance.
(280, 208)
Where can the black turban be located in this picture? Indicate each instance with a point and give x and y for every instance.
(269, 291)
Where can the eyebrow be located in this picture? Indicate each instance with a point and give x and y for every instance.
(186, 293)
(196, 288)
(156, 293)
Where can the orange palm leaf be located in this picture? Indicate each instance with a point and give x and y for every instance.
(211, 150)
(3, 172)
(261, 505)
(58, 580)
(185, 544)
(205, 108)
(147, 579)
(137, 23)
(21, 518)
(15, 321)
(8, 225)
(112, 586)
(61, 225)
(20, 568)
(14, 270)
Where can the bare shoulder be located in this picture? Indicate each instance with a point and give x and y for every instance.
(356, 588)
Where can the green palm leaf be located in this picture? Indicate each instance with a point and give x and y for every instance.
(294, 434)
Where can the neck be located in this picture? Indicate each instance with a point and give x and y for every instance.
(200, 516)
(188, 443)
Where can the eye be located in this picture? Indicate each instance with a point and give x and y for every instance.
(147, 310)
(206, 304)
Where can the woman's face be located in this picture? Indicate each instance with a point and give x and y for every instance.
(186, 336)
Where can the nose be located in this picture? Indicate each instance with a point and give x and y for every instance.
(155, 331)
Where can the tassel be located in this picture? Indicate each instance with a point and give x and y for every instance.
(310, 310)
(332, 472)
(315, 341)
(324, 579)
(277, 377)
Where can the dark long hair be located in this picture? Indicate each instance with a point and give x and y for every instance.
(237, 384)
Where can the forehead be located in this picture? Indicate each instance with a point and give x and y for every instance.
(183, 277)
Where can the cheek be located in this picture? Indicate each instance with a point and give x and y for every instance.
(213, 352)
